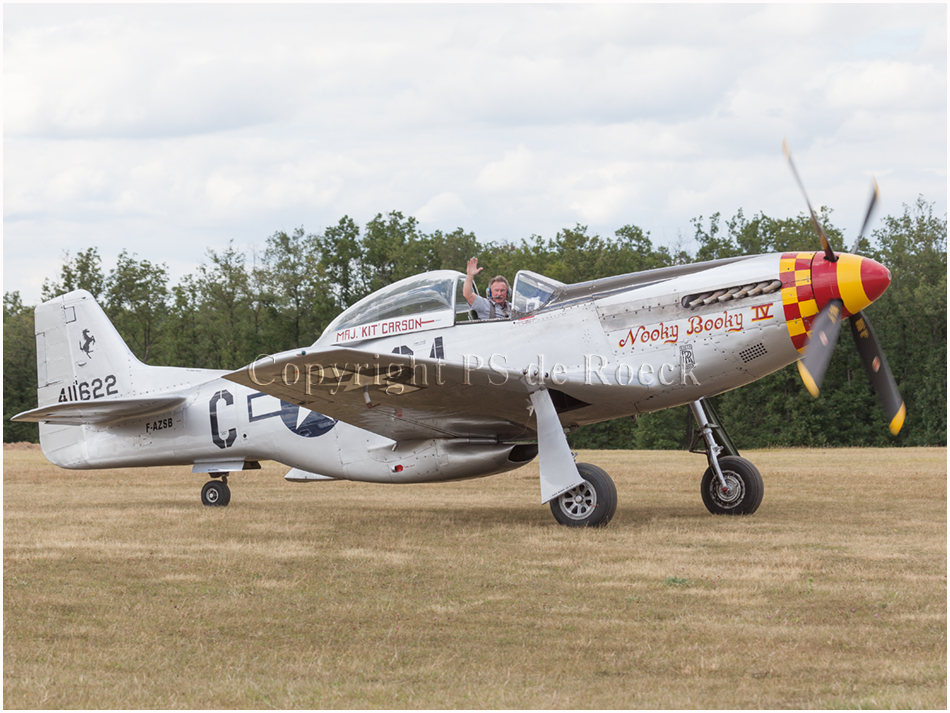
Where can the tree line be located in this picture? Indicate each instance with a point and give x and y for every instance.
(238, 306)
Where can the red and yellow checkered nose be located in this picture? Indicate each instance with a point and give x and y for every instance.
(809, 282)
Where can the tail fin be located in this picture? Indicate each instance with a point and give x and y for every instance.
(79, 354)
(87, 377)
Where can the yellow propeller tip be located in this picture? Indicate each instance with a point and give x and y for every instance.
(807, 379)
(897, 423)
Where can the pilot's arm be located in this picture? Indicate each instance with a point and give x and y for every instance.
(471, 269)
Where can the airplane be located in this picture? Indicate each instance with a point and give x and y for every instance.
(407, 386)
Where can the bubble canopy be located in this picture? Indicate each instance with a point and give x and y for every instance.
(429, 301)
(425, 301)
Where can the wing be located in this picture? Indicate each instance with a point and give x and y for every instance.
(398, 396)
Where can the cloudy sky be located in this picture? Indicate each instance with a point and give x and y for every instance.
(170, 129)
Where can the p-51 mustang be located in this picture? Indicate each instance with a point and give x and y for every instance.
(406, 387)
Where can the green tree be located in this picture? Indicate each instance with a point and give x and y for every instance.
(184, 340)
(294, 277)
(575, 255)
(507, 258)
(224, 321)
(392, 249)
(136, 296)
(19, 368)
(766, 235)
(760, 235)
(83, 272)
(910, 319)
(450, 251)
(225, 315)
(633, 252)
(340, 248)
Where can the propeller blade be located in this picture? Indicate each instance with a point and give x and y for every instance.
(824, 335)
(875, 194)
(825, 245)
(878, 371)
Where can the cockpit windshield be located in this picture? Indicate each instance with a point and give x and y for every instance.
(532, 291)
(421, 302)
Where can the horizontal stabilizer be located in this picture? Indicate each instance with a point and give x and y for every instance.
(78, 413)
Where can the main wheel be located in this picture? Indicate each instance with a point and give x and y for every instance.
(591, 504)
(743, 492)
(215, 494)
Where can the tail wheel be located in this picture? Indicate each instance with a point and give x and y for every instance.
(743, 490)
(215, 494)
(590, 504)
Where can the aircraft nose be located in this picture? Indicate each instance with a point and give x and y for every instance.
(856, 281)
(875, 278)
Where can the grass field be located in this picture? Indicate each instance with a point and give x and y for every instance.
(121, 591)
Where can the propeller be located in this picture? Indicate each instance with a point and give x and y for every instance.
(879, 373)
(824, 335)
(826, 328)
(825, 245)
(867, 218)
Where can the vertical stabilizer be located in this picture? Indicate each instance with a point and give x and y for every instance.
(87, 378)
(80, 355)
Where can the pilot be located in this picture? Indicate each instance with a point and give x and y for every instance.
(498, 305)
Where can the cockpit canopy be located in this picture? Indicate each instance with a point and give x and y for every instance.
(533, 291)
(418, 303)
(429, 301)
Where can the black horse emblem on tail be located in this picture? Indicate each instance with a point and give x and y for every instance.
(87, 341)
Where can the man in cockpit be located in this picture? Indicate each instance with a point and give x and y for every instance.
(496, 306)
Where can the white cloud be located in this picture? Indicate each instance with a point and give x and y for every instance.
(511, 173)
(221, 191)
(885, 85)
(444, 207)
(183, 126)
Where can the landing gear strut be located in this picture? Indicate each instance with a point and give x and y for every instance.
(731, 484)
(216, 493)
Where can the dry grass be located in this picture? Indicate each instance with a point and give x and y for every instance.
(122, 591)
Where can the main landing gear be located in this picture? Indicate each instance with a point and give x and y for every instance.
(216, 493)
(731, 484)
(591, 504)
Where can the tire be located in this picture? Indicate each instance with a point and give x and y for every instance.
(744, 494)
(589, 505)
(215, 494)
